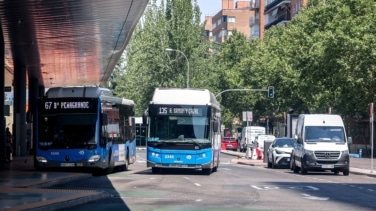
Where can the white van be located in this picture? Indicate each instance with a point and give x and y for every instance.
(321, 144)
(248, 136)
(260, 140)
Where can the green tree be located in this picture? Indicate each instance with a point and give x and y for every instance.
(167, 24)
(334, 54)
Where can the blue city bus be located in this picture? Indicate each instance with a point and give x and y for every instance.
(184, 130)
(84, 128)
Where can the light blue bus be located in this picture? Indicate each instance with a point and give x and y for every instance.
(84, 127)
(184, 130)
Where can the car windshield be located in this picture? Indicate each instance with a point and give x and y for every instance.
(284, 143)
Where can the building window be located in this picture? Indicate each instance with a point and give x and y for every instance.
(207, 33)
(224, 18)
(231, 19)
(214, 25)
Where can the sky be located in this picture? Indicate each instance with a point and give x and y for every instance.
(209, 7)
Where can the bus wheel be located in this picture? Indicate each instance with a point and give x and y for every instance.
(111, 165)
(126, 165)
(206, 171)
(155, 170)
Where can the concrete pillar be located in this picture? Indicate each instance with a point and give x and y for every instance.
(19, 116)
(2, 84)
(33, 99)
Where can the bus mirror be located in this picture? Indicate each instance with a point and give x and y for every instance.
(144, 119)
(104, 119)
(215, 126)
(29, 117)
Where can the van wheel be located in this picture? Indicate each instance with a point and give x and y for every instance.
(303, 171)
(294, 167)
(346, 172)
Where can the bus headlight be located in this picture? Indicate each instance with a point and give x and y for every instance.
(203, 155)
(41, 159)
(94, 158)
(154, 154)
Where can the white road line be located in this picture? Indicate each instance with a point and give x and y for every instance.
(197, 184)
(307, 196)
(226, 169)
(186, 178)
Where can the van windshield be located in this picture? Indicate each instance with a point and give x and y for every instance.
(324, 134)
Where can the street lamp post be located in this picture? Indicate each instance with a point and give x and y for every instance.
(170, 49)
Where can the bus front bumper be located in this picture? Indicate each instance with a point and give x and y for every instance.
(176, 165)
(41, 162)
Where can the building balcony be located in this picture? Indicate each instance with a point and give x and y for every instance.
(254, 4)
(284, 18)
(276, 3)
(254, 21)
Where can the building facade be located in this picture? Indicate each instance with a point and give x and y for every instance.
(234, 15)
(268, 13)
(251, 17)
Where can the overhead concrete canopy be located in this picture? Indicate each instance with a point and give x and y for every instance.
(67, 42)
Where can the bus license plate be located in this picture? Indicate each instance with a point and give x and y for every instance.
(327, 166)
(179, 165)
(67, 165)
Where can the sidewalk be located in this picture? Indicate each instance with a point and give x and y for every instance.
(23, 188)
(360, 166)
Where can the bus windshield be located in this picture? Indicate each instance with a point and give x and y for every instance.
(179, 129)
(67, 131)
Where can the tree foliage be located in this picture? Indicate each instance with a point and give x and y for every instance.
(171, 24)
(324, 58)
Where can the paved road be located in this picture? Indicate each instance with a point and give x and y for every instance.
(24, 188)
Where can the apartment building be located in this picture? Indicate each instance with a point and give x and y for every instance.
(268, 13)
(234, 15)
(251, 17)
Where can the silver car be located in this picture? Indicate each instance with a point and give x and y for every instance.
(279, 152)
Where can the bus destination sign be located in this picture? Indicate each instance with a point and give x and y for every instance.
(178, 111)
(68, 105)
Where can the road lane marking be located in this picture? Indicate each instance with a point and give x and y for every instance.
(264, 188)
(307, 196)
(197, 184)
(226, 169)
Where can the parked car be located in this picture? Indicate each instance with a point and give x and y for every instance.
(229, 141)
(279, 152)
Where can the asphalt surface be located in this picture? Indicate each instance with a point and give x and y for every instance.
(23, 188)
